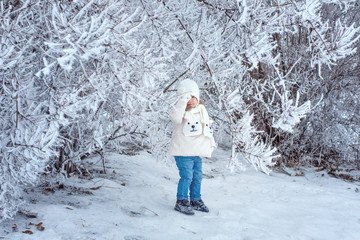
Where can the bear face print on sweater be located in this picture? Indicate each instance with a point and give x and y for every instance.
(192, 127)
(195, 124)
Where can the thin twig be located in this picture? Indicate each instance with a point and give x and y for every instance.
(175, 80)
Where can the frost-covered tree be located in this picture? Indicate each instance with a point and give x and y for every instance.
(77, 77)
(327, 84)
(28, 136)
(255, 56)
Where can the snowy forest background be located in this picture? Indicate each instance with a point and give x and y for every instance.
(280, 79)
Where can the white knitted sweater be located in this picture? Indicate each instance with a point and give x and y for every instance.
(181, 145)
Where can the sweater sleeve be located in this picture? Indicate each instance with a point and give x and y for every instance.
(177, 113)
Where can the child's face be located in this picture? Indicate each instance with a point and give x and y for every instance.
(192, 102)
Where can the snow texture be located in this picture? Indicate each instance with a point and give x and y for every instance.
(136, 199)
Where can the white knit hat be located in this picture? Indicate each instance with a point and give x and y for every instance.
(189, 86)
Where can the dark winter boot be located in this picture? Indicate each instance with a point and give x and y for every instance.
(183, 206)
(199, 205)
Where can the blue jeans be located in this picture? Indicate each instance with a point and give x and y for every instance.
(190, 171)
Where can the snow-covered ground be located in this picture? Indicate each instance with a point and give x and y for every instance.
(135, 201)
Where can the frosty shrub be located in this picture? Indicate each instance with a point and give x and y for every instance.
(261, 61)
(28, 135)
(330, 137)
(77, 76)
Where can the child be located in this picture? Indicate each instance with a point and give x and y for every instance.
(191, 140)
